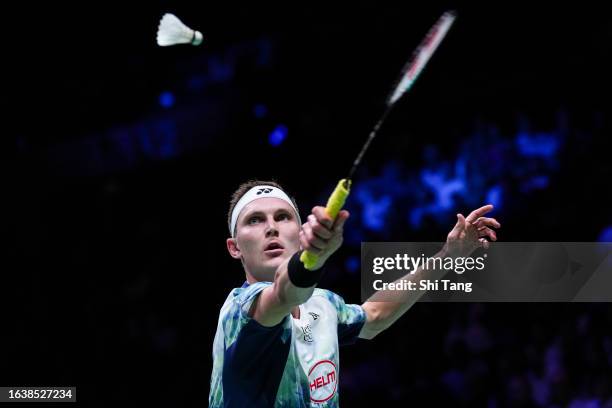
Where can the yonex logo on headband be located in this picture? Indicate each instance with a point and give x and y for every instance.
(254, 194)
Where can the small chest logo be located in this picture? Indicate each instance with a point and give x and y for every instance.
(307, 331)
(323, 380)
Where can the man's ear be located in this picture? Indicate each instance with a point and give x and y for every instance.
(232, 248)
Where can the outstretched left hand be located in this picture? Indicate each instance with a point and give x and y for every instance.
(471, 232)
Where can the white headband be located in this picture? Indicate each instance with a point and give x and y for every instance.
(262, 191)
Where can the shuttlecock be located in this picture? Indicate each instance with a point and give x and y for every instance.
(172, 31)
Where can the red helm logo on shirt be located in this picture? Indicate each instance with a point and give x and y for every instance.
(323, 380)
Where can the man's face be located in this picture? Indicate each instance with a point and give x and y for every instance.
(267, 233)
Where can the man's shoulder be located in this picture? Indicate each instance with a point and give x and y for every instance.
(337, 301)
(247, 291)
(324, 295)
(240, 299)
(234, 313)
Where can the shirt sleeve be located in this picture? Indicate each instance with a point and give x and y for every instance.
(351, 319)
(245, 298)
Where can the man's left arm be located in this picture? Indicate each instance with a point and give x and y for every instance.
(469, 233)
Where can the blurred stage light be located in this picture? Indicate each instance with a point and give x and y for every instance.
(494, 196)
(278, 135)
(538, 144)
(606, 234)
(352, 264)
(166, 99)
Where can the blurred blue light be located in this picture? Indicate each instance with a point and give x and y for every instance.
(537, 144)
(278, 135)
(606, 234)
(443, 187)
(166, 99)
(375, 211)
(494, 196)
(537, 182)
(260, 110)
(352, 264)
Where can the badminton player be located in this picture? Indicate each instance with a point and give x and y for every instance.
(278, 336)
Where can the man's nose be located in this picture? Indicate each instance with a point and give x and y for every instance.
(271, 228)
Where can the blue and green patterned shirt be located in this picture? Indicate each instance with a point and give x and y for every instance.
(293, 364)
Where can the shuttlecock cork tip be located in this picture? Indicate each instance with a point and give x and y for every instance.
(197, 38)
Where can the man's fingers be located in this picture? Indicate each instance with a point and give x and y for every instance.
(340, 220)
(458, 228)
(312, 238)
(474, 215)
(322, 216)
(460, 225)
(489, 222)
(319, 229)
(487, 232)
(484, 243)
(306, 245)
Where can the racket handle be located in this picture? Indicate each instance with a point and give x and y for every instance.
(334, 205)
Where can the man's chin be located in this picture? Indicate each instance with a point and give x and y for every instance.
(275, 260)
(275, 257)
(267, 268)
(268, 265)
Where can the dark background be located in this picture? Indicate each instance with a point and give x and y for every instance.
(119, 158)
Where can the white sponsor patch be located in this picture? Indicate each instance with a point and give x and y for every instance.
(323, 380)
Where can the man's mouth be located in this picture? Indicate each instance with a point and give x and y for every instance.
(274, 248)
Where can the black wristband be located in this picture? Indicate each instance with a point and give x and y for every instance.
(300, 276)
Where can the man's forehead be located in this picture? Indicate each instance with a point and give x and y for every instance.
(268, 204)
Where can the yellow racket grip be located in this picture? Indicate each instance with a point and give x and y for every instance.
(334, 205)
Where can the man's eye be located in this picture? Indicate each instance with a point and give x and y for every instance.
(253, 220)
(284, 217)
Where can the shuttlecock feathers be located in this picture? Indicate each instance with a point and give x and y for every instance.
(172, 31)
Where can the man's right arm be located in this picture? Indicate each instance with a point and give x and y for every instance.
(276, 301)
(319, 235)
